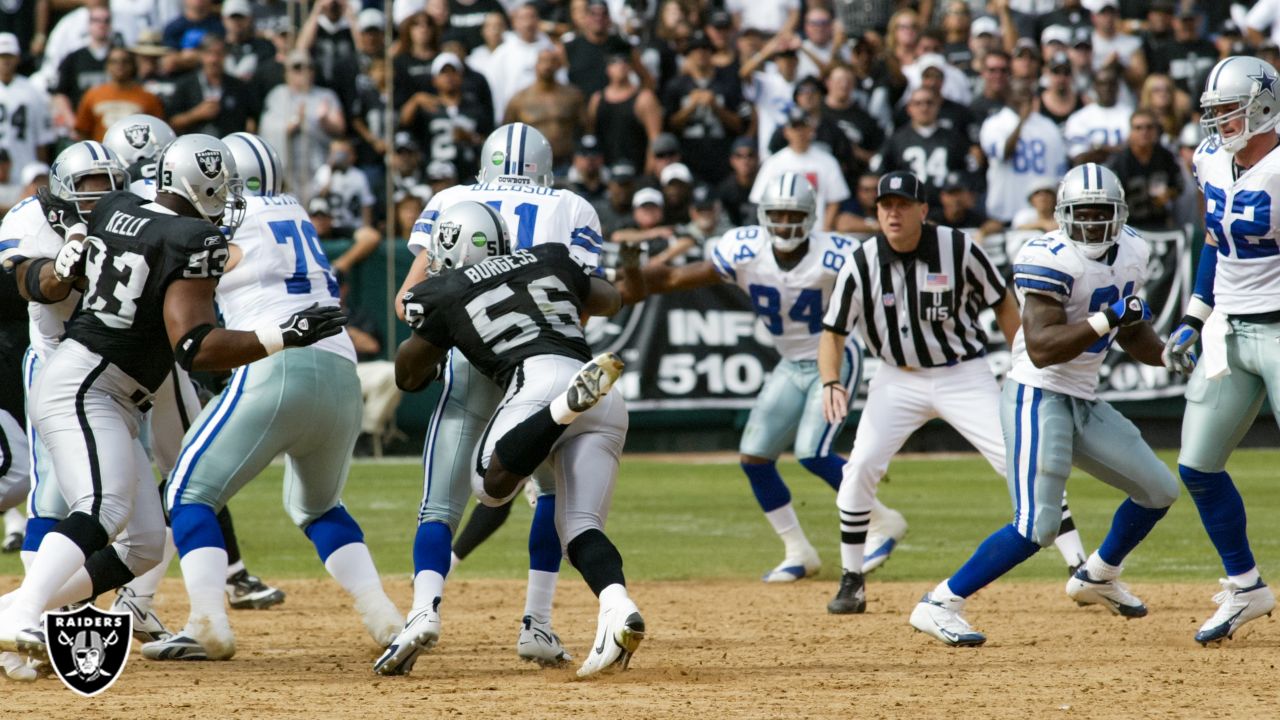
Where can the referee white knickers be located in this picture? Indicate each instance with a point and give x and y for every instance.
(86, 410)
(899, 401)
(584, 460)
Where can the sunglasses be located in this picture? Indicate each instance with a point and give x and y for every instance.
(300, 66)
(1060, 71)
(665, 154)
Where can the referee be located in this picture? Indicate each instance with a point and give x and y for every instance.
(914, 292)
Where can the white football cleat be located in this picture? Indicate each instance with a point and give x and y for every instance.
(18, 667)
(539, 644)
(1111, 594)
(204, 638)
(175, 647)
(618, 634)
(807, 564)
(887, 528)
(146, 624)
(944, 621)
(1236, 606)
(23, 640)
(419, 634)
(593, 382)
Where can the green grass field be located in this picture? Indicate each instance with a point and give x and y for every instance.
(679, 521)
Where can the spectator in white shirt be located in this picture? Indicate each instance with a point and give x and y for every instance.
(1096, 131)
(1111, 45)
(299, 119)
(1023, 148)
(813, 162)
(511, 67)
(1265, 14)
(770, 16)
(821, 44)
(769, 80)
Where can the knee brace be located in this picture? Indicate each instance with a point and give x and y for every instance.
(87, 533)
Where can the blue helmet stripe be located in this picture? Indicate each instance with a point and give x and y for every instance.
(1098, 168)
(524, 134)
(1085, 175)
(1213, 81)
(262, 166)
(793, 184)
(92, 152)
(506, 162)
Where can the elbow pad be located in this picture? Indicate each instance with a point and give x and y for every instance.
(32, 281)
(189, 346)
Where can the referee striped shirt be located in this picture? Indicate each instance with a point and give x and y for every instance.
(921, 309)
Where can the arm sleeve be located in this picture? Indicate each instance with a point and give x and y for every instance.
(420, 236)
(424, 313)
(843, 308)
(1036, 271)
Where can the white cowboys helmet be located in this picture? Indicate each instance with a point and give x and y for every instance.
(467, 233)
(79, 160)
(1091, 186)
(516, 152)
(138, 138)
(200, 169)
(787, 192)
(1239, 87)
(257, 164)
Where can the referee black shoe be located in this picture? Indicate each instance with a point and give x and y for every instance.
(851, 598)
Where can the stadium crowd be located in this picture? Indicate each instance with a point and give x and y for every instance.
(667, 116)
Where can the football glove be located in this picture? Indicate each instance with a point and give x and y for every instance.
(312, 325)
(1179, 355)
(1127, 311)
(69, 264)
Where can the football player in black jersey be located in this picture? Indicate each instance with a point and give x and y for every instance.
(517, 318)
(150, 270)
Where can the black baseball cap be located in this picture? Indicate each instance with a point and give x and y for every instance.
(902, 184)
(588, 146)
(703, 196)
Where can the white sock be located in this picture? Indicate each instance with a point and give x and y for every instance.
(55, 562)
(1098, 569)
(14, 521)
(352, 566)
(851, 556)
(539, 594)
(942, 593)
(428, 586)
(146, 584)
(454, 561)
(27, 557)
(613, 595)
(560, 411)
(78, 588)
(204, 570)
(235, 567)
(1246, 580)
(787, 525)
(1071, 547)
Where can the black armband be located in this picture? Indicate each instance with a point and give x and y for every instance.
(189, 346)
(32, 281)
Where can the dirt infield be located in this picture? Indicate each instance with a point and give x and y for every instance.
(715, 650)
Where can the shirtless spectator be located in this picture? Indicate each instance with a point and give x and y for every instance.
(557, 110)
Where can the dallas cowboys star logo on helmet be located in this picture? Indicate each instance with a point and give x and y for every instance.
(138, 135)
(210, 163)
(1266, 82)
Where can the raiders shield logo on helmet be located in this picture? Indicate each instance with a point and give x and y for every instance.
(449, 234)
(138, 135)
(88, 647)
(210, 163)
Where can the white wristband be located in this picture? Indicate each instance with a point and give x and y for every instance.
(271, 337)
(77, 229)
(1199, 309)
(1100, 323)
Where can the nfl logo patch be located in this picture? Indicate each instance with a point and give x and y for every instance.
(888, 299)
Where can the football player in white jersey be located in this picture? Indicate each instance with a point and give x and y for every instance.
(304, 403)
(788, 272)
(138, 140)
(26, 130)
(1079, 288)
(515, 179)
(1238, 280)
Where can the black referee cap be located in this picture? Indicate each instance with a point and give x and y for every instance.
(901, 183)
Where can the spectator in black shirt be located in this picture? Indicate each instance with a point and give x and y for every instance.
(955, 29)
(585, 175)
(451, 123)
(370, 36)
(209, 101)
(615, 208)
(706, 110)
(862, 131)
(417, 45)
(924, 147)
(1158, 39)
(245, 49)
(588, 49)
(957, 206)
(1150, 174)
(996, 73)
(27, 20)
(149, 54)
(327, 36)
(951, 115)
(466, 18)
(1190, 57)
(83, 68)
(735, 191)
(808, 96)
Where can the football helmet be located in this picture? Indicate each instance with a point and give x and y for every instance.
(138, 138)
(1091, 185)
(200, 169)
(787, 192)
(257, 164)
(516, 152)
(465, 234)
(1239, 87)
(82, 159)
